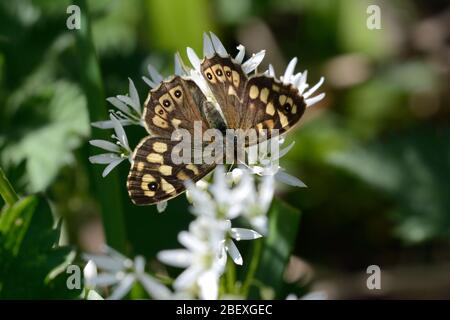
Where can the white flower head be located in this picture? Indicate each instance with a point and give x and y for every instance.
(298, 80)
(221, 200)
(267, 162)
(128, 109)
(117, 152)
(121, 273)
(203, 258)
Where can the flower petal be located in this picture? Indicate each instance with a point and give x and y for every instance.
(271, 71)
(187, 278)
(180, 258)
(190, 241)
(309, 102)
(154, 289)
(252, 63)
(218, 46)
(303, 85)
(241, 54)
(108, 124)
(118, 104)
(289, 70)
(134, 96)
(193, 58)
(313, 89)
(120, 133)
(180, 68)
(111, 166)
(122, 288)
(149, 82)
(104, 158)
(161, 206)
(102, 280)
(244, 234)
(139, 264)
(105, 145)
(208, 49)
(288, 179)
(209, 285)
(154, 74)
(233, 252)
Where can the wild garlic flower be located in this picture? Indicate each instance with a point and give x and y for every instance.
(118, 151)
(258, 200)
(221, 202)
(267, 163)
(120, 273)
(128, 109)
(298, 80)
(203, 258)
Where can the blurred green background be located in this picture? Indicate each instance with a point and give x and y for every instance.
(375, 153)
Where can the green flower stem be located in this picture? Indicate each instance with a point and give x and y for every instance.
(257, 247)
(6, 190)
(231, 276)
(107, 190)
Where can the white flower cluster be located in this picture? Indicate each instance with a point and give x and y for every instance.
(245, 192)
(211, 237)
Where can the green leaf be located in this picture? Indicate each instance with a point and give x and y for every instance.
(414, 169)
(278, 245)
(31, 263)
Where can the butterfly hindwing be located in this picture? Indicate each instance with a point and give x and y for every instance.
(154, 177)
(227, 81)
(270, 104)
(174, 104)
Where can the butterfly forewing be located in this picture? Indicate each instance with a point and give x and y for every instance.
(174, 104)
(227, 81)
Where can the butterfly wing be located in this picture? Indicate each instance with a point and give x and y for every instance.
(227, 81)
(174, 104)
(155, 177)
(157, 174)
(270, 104)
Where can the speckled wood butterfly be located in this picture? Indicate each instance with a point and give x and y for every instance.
(256, 102)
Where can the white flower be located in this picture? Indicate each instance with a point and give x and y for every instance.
(121, 273)
(204, 259)
(221, 200)
(267, 162)
(128, 109)
(118, 151)
(298, 80)
(258, 202)
(237, 234)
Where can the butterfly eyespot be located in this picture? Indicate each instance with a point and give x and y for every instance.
(228, 74)
(287, 108)
(166, 103)
(209, 76)
(152, 186)
(219, 72)
(177, 93)
(161, 112)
